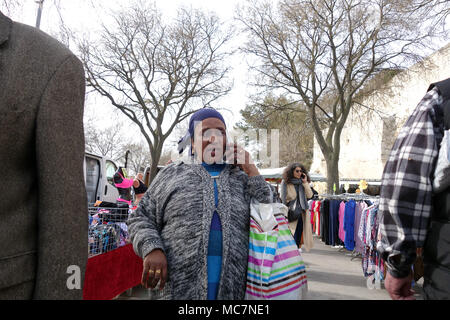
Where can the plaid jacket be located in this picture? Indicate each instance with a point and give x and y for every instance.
(406, 190)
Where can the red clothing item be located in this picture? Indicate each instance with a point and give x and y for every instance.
(112, 273)
(312, 216)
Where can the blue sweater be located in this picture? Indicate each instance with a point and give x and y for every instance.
(215, 239)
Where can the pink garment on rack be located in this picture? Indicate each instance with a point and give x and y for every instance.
(341, 221)
(318, 218)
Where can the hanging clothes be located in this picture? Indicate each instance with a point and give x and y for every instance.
(349, 227)
(352, 224)
(334, 223)
(369, 234)
(325, 212)
(341, 221)
(359, 208)
(317, 218)
(312, 217)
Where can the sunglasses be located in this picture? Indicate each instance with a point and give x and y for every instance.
(298, 171)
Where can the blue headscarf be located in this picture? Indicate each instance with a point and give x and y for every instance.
(200, 115)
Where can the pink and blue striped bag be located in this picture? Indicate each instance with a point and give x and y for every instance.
(276, 270)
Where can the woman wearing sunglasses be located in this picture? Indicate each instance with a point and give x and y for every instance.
(295, 193)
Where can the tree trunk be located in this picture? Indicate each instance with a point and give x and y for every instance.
(156, 155)
(332, 162)
(153, 169)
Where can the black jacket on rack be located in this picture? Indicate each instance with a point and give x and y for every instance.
(324, 214)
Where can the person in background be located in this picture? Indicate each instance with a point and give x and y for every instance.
(314, 191)
(295, 193)
(139, 187)
(414, 208)
(192, 226)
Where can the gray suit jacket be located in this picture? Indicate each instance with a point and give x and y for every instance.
(43, 206)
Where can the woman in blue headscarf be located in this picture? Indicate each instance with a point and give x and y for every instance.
(192, 226)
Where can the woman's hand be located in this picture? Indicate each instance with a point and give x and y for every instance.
(242, 159)
(155, 269)
(304, 178)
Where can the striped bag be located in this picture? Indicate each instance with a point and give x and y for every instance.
(275, 267)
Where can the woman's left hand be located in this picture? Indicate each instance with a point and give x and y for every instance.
(242, 159)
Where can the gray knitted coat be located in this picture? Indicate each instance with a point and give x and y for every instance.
(175, 215)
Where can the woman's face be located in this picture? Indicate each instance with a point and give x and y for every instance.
(210, 140)
(297, 172)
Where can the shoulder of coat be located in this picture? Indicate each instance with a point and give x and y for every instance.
(51, 51)
(170, 168)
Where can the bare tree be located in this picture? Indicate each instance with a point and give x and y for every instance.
(7, 6)
(138, 158)
(158, 73)
(435, 11)
(11, 8)
(107, 142)
(64, 32)
(324, 52)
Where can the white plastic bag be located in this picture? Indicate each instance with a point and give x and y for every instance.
(263, 215)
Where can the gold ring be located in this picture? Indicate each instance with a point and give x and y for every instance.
(158, 271)
(150, 271)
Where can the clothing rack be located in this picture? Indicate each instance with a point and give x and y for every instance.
(348, 196)
(345, 197)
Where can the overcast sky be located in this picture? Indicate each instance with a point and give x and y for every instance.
(87, 15)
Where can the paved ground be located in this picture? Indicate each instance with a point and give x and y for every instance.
(332, 275)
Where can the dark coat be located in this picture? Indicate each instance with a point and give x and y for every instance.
(436, 285)
(43, 210)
